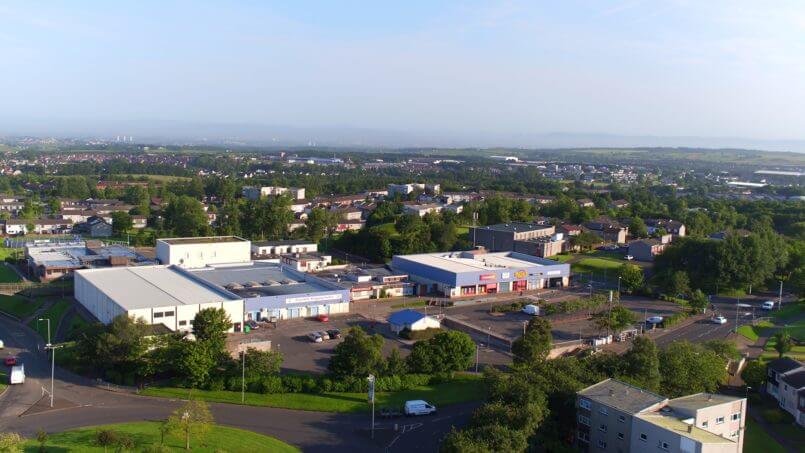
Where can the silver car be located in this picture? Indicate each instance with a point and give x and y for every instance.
(314, 337)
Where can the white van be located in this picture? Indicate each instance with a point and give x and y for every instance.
(2, 345)
(531, 309)
(768, 305)
(419, 407)
(17, 375)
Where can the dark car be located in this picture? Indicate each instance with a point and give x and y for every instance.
(11, 360)
(252, 324)
(334, 333)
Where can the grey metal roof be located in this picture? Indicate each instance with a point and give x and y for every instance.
(256, 280)
(151, 286)
(622, 396)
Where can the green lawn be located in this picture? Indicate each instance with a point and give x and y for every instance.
(6, 252)
(790, 310)
(218, 438)
(411, 304)
(3, 380)
(796, 330)
(19, 306)
(756, 439)
(462, 389)
(751, 332)
(388, 228)
(76, 323)
(597, 266)
(7, 275)
(54, 313)
(562, 258)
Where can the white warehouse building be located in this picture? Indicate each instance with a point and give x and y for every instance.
(158, 294)
(203, 251)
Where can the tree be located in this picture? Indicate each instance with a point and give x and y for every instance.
(319, 223)
(783, 343)
(195, 362)
(678, 283)
(585, 240)
(42, 438)
(121, 348)
(186, 217)
(637, 228)
(121, 222)
(395, 365)
(210, 325)
(262, 363)
(631, 277)
(357, 355)
(643, 363)
(535, 344)
(689, 368)
(192, 418)
(723, 348)
(11, 443)
(614, 320)
(445, 352)
(754, 374)
(106, 438)
(698, 300)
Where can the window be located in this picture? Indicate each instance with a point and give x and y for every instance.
(735, 416)
(602, 428)
(182, 323)
(603, 410)
(584, 420)
(719, 420)
(169, 314)
(622, 418)
(585, 404)
(157, 314)
(620, 436)
(705, 423)
(734, 434)
(191, 322)
(602, 445)
(663, 445)
(583, 436)
(643, 437)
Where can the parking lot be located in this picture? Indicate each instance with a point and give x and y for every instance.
(565, 326)
(300, 354)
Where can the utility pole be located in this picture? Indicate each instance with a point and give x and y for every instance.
(619, 288)
(52, 368)
(371, 380)
(243, 379)
(48, 320)
(477, 353)
(780, 297)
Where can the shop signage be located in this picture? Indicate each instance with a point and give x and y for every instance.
(309, 299)
(487, 277)
(505, 275)
(520, 274)
(553, 272)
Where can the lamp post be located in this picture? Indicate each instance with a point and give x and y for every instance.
(52, 367)
(48, 320)
(780, 297)
(243, 379)
(371, 380)
(619, 288)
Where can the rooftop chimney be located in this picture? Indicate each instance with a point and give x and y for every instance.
(690, 428)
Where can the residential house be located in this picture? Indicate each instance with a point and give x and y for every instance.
(647, 249)
(619, 204)
(139, 221)
(585, 203)
(269, 248)
(422, 209)
(673, 227)
(94, 227)
(609, 230)
(785, 382)
(14, 227)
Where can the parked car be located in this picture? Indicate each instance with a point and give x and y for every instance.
(334, 334)
(531, 309)
(768, 305)
(628, 257)
(718, 320)
(323, 334)
(2, 345)
(252, 324)
(323, 318)
(419, 407)
(17, 375)
(314, 337)
(11, 360)
(654, 319)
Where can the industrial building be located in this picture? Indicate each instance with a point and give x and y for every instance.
(158, 294)
(468, 273)
(202, 251)
(269, 248)
(271, 290)
(52, 260)
(502, 237)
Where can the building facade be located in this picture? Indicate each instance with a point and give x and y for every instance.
(203, 251)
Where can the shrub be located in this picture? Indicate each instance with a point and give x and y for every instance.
(326, 385)
(292, 383)
(674, 319)
(570, 306)
(420, 334)
(310, 385)
(233, 384)
(216, 384)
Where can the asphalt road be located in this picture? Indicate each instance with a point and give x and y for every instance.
(79, 403)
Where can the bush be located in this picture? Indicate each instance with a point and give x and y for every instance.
(571, 306)
(233, 384)
(216, 383)
(674, 319)
(514, 306)
(292, 383)
(420, 334)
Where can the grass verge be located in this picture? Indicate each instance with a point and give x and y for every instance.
(460, 390)
(417, 303)
(144, 434)
(55, 314)
(751, 332)
(756, 439)
(19, 306)
(7, 275)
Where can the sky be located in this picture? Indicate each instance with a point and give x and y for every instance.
(675, 68)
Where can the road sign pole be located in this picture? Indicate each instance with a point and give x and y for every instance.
(371, 380)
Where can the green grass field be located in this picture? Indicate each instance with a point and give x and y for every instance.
(7, 275)
(19, 306)
(597, 266)
(3, 380)
(54, 313)
(753, 332)
(387, 228)
(791, 310)
(411, 304)
(144, 434)
(6, 252)
(460, 390)
(562, 258)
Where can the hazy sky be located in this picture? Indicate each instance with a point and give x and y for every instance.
(674, 68)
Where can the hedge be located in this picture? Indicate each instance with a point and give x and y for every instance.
(575, 305)
(426, 334)
(300, 383)
(674, 319)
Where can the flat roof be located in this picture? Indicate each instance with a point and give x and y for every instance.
(284, 242)
(257, 280)
(681, 428)
(458, 262)
(75, 254)
(622, 396)
(151, 286)
(202, 240)
(701, 400)
(515, 227)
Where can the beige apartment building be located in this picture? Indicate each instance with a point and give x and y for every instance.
(614, 416)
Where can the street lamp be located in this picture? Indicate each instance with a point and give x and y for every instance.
(52, 367)
(48, 320)
(619, 288)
